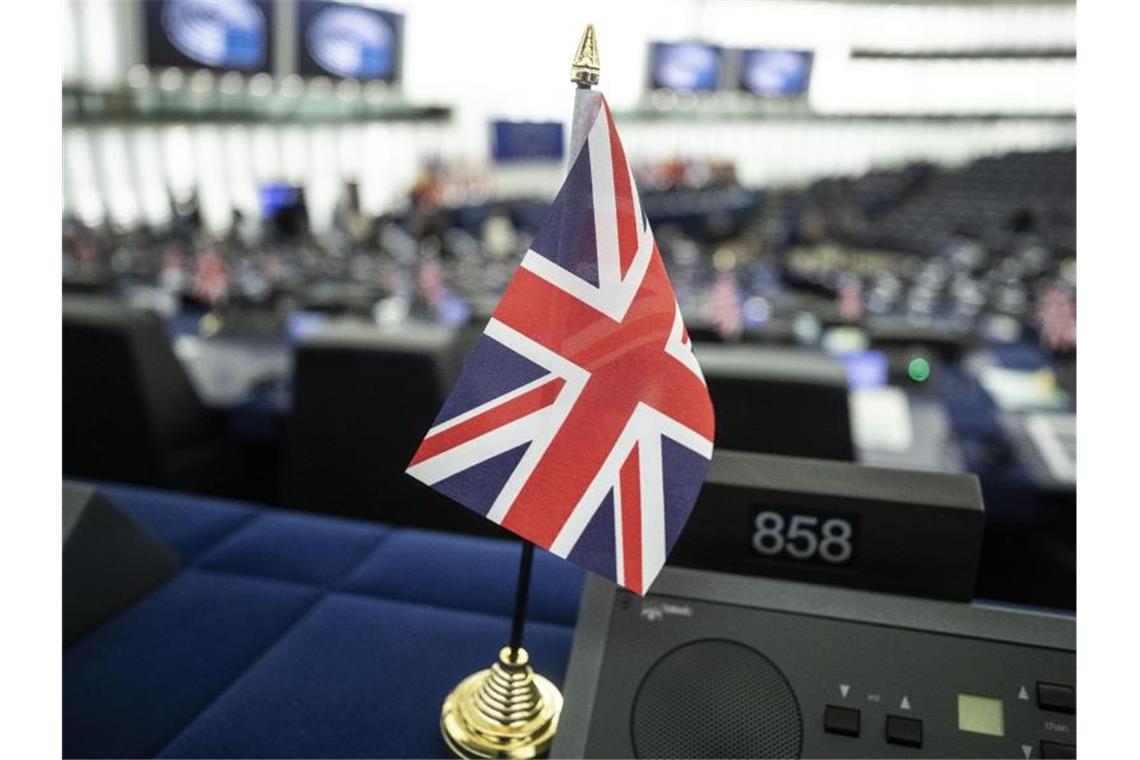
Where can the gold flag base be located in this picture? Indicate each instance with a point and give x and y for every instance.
(505, 711)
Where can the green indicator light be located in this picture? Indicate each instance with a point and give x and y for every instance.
(918, 369)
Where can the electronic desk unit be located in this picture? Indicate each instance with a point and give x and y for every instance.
(716, 665)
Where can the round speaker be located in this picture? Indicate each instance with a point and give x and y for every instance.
(715, 698)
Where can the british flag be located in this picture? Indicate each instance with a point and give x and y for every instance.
(581, 420)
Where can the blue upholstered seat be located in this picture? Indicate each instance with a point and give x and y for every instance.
(288, 635)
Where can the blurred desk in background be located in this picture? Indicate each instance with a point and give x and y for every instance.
(1047, 443)
(905, 429)
(229, 371)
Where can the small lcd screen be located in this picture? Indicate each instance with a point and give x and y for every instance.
(981, 715)
(684, 66)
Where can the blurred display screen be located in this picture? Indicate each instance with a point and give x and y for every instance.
(275, 197)
(526, 141)
(226, 35)
(348, 41)
(866, 369)
(775, 73)
(685, 66)
(300, 325)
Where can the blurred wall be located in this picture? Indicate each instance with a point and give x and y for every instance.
(494, 59)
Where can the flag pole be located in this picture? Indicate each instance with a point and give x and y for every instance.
(522, 592)
(584, 72)
(508, 710)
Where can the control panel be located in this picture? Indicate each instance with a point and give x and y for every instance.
(717, 665)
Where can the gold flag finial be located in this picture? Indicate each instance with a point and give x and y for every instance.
(586, 68)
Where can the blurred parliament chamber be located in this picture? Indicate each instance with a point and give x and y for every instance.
(282, 239)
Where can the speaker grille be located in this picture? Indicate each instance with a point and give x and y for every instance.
(715, 698)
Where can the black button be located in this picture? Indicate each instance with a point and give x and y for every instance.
(904, 731)
(1053, 696)
(841, 720)
(1057, 750)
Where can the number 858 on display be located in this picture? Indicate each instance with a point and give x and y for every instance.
(808, 538)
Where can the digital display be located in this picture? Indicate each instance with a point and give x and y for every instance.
(866, 369)
(225, 35)
(526, 140)
(776, 73)
(798, 535)
(300, 325)
(981, 715)
(273, 198)
(684, 66)
(348, 41)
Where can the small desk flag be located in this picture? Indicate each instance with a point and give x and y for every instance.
(581, 420)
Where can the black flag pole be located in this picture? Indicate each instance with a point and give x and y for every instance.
(522, 592)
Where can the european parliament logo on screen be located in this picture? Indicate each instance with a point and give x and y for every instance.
(776, 73)
(215, 34)
(685, 66)
(347, 41)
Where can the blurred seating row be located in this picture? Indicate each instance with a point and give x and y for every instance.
(130, 412)
(362, 399)
(920, 207)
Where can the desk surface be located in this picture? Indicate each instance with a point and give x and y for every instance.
(226, 371)
(289, 635)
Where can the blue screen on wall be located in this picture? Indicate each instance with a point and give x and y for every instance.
(348, 41)
(224, 35)
(526, 140)
(776, 73)
(684, 66)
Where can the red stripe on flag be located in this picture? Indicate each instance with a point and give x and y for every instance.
(518, 407)
(623, 200)
(631, 520)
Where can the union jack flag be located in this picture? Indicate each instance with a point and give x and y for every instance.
(581, 420)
